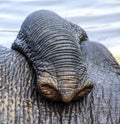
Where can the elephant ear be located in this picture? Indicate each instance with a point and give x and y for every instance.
(95, 55)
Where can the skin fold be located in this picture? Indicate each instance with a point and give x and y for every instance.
(53, 60)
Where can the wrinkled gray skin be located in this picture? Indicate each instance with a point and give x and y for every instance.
(35, 69)
(52, 47)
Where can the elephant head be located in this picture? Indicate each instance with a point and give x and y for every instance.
(52, 46)
(53, 56)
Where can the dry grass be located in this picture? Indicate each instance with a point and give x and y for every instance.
(117, 59)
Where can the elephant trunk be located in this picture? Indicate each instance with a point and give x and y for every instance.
(51, 45)
(63, 55)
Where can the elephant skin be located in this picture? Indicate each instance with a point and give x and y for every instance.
(33, 61)
(51, 45)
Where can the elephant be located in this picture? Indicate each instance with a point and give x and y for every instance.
(53, 74)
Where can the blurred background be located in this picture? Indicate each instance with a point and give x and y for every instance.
(100, 19)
